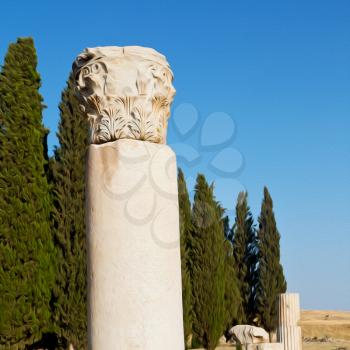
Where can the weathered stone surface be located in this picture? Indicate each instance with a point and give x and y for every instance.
(288, 331)
(290, 336)
(126, 92)
(265, 346)
(134, 269)
(288, 309)
(246, 334)
(270, 346)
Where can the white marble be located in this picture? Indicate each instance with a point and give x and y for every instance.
(288, 330)
(265, 346)
(246, 334)
(288, 309)
(270, 346)
(125, 92)
(134, 269)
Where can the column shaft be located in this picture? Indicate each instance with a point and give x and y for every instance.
(289, 332)
(134, 269)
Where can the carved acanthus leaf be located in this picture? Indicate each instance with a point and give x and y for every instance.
(125, 93)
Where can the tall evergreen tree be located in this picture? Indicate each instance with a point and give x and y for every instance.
(227, 230)
(70, 310)
(270, 278)
(245, 257)
(26, 246)
(185, 229)
(208, 270)
(232, 293)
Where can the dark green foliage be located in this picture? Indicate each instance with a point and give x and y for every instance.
(270, 278)
(227, 231)
(207, 270)
(185, 229)
(70, 313)
(26, 248)
(245, 257)
(232, 294)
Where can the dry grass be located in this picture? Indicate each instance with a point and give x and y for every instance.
(327, 346)
(307, 346)
(330, 328)
(339, 345)
(325, 324)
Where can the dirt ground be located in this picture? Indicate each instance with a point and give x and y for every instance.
(325, 324)
(334, 345)
(327, 346)
(322, 330)
(325, 330)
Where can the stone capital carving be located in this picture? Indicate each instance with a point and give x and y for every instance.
(125, 92)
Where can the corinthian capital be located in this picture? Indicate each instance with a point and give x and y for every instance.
(125, 92)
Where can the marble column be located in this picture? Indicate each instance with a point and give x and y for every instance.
(289, 332)
(134, 267)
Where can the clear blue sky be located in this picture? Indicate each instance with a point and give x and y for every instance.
(280, 69)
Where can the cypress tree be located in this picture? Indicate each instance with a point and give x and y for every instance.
(26, 246)
(208, 270)
(245, 257)
(227, 230)
(185, 229)
(270, 278)
(70, 307)
(232, 294)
